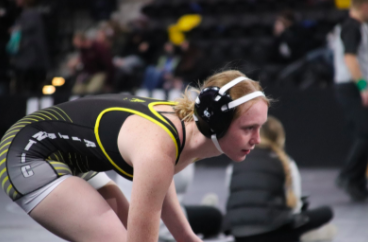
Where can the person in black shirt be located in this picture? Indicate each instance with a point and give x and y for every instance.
(351, 75)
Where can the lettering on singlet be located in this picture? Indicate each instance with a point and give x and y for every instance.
(39, 137)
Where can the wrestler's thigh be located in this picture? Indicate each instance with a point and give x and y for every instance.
(75, 211)
(116, 199)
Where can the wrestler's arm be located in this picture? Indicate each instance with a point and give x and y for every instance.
(174, 218)
(152, 152)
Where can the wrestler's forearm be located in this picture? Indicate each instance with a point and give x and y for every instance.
(175, 219)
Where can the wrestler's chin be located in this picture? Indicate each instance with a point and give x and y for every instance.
(240, 158)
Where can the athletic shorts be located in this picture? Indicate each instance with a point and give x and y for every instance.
(32, 163)
(31, 200)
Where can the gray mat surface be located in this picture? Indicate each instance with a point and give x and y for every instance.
(351, 219)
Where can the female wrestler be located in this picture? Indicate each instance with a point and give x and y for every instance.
(47, 157)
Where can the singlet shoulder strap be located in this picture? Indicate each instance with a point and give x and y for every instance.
(184, 136)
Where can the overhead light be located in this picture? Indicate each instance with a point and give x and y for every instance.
(48, 89)
(58, 81)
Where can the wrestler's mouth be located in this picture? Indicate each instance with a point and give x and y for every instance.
(245, 152)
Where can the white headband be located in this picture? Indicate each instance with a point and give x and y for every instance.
(240, 100)
(234, 103)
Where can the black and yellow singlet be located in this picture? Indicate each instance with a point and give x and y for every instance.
(77, 137)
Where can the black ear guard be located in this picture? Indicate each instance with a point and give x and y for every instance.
(214, 109)
(210, 118)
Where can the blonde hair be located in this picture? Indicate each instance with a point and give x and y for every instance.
(185, 107)
(273, 137)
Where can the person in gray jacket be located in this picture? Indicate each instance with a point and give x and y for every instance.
(265, 201)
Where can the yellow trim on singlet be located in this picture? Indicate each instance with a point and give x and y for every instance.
(12, 132)
(43, 111)
(24, 122)
(2, 172)
(84, 175)
(2, 162)
(150, 106)
(3, 153)
(33, 115)
(8, 190)
(139, 114)
(11, 136)
(5, 145)
(63, 168)
(64, 113)
(15, 194)
(39, 113)
(29, 119)
(5, 179)
(57, 158)
(56, 112)
(62, 158)
(7, 136)
(14, 127)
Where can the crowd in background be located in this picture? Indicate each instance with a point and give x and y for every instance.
(111, 56)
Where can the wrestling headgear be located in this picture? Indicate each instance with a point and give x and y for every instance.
(214, 109)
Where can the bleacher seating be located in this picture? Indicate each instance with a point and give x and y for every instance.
(233, 30)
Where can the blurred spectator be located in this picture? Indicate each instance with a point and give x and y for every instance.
(28, 48)
(138, 42)
(291, 38)
(351, 75)
(189, 67)
(265, 202)
(135, 53)
(105, 34)
(131, 60)
(161, 75)
(8, 12)
(93, 66)
(309, 62)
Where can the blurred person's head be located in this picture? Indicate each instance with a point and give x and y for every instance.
(273, 131)
(105, 33)
(143, 47)
(273, 136)
(80, 41)
(359, 10)
(104, 37)
(169, 48)
(283, 21)
(185, 45)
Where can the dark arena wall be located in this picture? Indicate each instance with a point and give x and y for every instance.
(316, 131)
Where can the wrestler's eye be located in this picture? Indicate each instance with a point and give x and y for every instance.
(250, 128)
